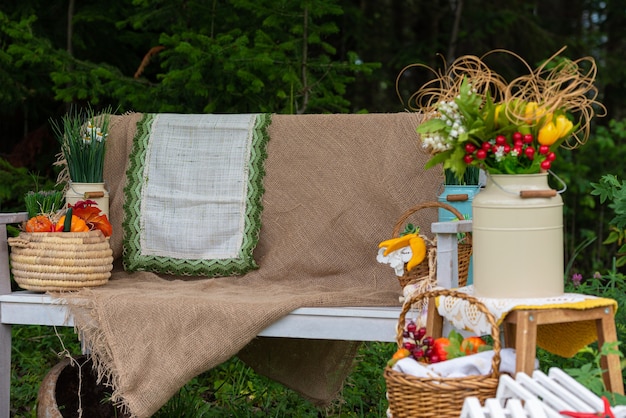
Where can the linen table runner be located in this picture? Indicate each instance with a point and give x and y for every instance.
(193, 194)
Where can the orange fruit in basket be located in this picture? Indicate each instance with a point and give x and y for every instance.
(39, 223)
(93, 218)
(78, 225)
(471, 345)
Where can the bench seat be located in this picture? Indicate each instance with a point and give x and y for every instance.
(336, 323)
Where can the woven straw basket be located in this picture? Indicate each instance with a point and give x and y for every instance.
(411, 396)
(422, 270)
(56, 261)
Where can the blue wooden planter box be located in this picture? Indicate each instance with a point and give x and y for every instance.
(460, 197)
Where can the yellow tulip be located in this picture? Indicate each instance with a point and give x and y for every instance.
(530, 112)
(563, 125)
(499, 117)
(533, 113)
(548, 134)
(496, 113)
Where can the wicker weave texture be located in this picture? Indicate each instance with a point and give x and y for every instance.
(411, 396)
(422, 270)
(57, 261)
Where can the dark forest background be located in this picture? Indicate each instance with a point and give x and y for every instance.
(285, 56)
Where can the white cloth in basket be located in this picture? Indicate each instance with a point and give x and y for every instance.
(475, 364)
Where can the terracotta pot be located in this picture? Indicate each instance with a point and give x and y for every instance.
(58, 394)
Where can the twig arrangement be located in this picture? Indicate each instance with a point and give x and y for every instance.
(557, 84)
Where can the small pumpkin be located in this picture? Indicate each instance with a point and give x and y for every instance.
(39, 223)
(78, 225)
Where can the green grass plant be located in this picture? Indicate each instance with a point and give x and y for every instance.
(43, 202)
(82, 135)
(230, 390)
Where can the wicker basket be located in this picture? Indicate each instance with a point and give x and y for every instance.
(411, 396)
(56, 261)
(422, 270)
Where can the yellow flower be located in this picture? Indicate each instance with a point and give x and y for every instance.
(529, 112)
(554, 130)
(533, 113)
(498, 110)
(548, 134)
(563, 125)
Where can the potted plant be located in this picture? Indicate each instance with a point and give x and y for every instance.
(71, 389)
(460, 192)
(82, 135)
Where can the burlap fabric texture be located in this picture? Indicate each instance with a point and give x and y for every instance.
(334, 186)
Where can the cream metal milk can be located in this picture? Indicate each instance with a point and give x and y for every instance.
(88, 191)
(518, 238)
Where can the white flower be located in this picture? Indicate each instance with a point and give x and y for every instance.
(93, 132)
(396, 259)
(100, 136)
(499, 154)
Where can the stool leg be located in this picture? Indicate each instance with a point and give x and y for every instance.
(613, 372)
(434, 321)
(509, 334)
(525, 342)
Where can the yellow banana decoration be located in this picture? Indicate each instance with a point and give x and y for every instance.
(418, 248)
(394, 244)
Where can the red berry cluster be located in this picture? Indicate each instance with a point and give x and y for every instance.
(520, 145)
(419, 344)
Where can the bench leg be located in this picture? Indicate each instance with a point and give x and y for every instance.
(5, 370)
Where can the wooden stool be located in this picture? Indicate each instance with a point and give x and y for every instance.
(520, 332)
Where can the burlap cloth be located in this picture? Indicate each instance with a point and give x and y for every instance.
(334, 187)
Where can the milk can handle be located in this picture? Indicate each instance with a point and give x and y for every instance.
(462, 197)
(90, 195)
(525, 194)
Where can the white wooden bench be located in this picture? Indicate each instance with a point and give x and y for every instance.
(337, 323)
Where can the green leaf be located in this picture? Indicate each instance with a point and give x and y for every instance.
(438, 159)
(613, 237)
(431, 126)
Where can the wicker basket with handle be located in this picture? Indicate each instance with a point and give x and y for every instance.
(422, 270)
(57, 261)
(410, 396)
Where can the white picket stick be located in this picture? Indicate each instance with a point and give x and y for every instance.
(535, 408)
(532, 408)
(539, 396)
(472, 408)
(508, 388)
(494, 409)
(548, 397)
(516, 409)
(584, 394)
(573, 401)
